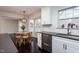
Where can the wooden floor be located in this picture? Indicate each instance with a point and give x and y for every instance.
(6, 44)
(29, 48)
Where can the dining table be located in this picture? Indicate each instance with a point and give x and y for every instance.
(22, 38)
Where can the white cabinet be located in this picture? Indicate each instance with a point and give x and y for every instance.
(72, 46)
(64, 45)
(57, 45)
(46, 15)
(39, 40)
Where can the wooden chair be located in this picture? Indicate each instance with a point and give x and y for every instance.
(30, 37)
(18, 39)
(25, 38)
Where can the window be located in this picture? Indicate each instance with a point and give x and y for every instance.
(20, 24)
(35, 25)
(68, 15)
(37, 22)
(76, 12)
(61, 14)
(31, 22)
(38, 25)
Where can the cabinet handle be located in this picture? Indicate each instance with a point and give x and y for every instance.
(65, 46)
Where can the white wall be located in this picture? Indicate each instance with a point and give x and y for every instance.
(8, 26)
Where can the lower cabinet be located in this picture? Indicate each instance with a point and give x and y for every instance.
(72, 47)
(57, 45)
(64, 45)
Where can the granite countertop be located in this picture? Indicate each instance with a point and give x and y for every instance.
(73, 37)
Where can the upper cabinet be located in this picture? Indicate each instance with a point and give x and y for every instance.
(46, 16)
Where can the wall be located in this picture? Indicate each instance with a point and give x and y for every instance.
(8, 26)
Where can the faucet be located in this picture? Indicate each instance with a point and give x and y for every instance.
(68, 29)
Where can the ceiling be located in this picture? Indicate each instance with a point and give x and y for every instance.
(16, 12)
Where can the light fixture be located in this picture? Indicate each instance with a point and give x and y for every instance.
(24, 17)
(24, 20)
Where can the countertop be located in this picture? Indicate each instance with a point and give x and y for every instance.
(73, 37)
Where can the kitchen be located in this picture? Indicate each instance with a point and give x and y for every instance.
(62, 27)
(54, 27)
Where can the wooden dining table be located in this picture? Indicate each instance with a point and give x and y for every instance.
(23, 38)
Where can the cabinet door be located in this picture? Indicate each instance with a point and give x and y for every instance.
(46, 15)
(39, 40)
(57, 45)
(47, 42)
(65, 45)
(72, 47)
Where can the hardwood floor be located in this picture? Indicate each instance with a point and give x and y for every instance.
(6, 44)
(29, 48)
